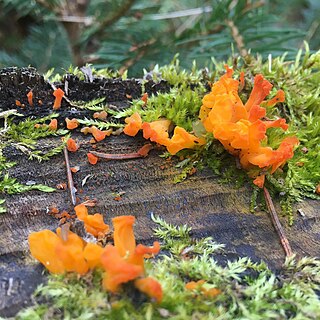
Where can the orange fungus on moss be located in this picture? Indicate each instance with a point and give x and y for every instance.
(150, 287)
(133, 124)
(241, 128)
(53, 125)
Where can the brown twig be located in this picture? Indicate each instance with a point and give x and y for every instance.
(69, 175)
(276, 223)
(142, 49)
(117, 15)
(237, 37)
(142, 152)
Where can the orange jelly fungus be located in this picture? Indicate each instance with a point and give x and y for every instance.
(98, 134)
(102, 115)
(53, 125)
(144, 98)
(92, 159)
(75, 169)
(157, 131)
(93, 224)
(92, 253)
(72, 124)
(72, 145)
(150, 287)
(133, 124)
(181, 139)
(241, 128)
(58, 93)
(118, 270)
(259, 181)
(30, 98)
(124, 261)
(56, 254)
(200, 287)
(121, 262)
(18, 103)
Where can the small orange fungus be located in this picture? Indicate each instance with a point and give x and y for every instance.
(144, 150)
(85, 130)
(144, 98)
(150, 287)
(58, 93)
(259, 181)
(30, 98)
(64, 251)
(133, 124)
(92, 159)
(194, 285)
(92, 253)
(118, 270)
(93, 224)
(102, 115)
(53, 125)
(98, 134)
(72, 145)
(157, 131)
(202, 287)
(75, 169)
(18, 103)
(72, 124)
(181, 139)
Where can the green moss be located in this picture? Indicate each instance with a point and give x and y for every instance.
(52, 76)
(23, 135)
(248, 290)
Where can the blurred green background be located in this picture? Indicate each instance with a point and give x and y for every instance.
(128, 34)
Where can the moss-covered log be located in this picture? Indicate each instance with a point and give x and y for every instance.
(145, 185)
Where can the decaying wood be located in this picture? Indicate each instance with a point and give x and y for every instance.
(145, 184)
(277, 224)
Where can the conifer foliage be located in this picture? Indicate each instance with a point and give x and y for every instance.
(132, 34)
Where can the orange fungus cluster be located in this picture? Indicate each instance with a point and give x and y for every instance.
(158, 131)
(241, 128)
(98, 134)
(122, 261)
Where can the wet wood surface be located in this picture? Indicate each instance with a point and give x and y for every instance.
(146, 187)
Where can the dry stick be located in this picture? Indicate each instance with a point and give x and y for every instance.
(117, 156)
(142, 152)
(276, 223)
(69, 175)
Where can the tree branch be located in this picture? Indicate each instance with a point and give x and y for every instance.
(111, 20)
(237, 37)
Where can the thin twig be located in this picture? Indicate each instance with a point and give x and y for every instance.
(276, 223)
(70, 179)
(117, 15)
(237, 37)
(142, 152)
